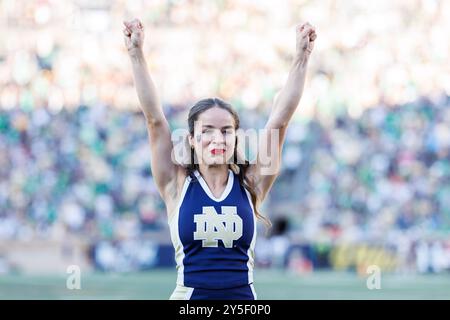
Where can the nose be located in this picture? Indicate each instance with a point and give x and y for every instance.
(218, 137)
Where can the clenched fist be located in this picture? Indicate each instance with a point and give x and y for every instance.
(305, 36)
(133, 35)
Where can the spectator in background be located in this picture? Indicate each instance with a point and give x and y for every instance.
(279, 241)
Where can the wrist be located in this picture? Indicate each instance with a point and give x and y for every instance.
(136, 53)
(300, 60)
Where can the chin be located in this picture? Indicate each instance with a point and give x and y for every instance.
(215, 162)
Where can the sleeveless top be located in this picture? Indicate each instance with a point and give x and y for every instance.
(214, 238)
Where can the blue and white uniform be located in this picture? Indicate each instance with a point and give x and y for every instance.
(214, 241)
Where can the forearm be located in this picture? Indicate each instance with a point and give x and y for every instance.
(145, 88)
(289, 96)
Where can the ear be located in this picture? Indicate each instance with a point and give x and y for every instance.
(190, 140)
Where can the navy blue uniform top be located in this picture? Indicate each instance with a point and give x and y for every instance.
(214, 238)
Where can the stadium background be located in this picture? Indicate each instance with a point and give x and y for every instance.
(366, 164)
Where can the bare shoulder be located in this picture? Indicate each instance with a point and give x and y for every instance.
(262, 182)
(252, 175)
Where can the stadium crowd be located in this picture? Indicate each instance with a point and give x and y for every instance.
(382, 178)
(367, 153)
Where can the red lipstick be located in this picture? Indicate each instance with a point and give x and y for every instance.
(217, 151)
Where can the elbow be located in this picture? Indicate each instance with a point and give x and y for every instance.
(155, 122)
(282, 115)
(278, 123)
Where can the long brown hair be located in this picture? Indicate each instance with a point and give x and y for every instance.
(195, 111)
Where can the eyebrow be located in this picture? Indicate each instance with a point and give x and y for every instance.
(210, 126)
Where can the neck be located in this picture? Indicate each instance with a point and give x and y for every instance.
(215, 176)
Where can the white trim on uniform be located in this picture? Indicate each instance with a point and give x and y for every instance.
(225, 192)
(175, 235)
(251, 249)
(253, 291)
(182, 293)
(189, 293)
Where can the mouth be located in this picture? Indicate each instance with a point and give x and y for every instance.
(217, 151)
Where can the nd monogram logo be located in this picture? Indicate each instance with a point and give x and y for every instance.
(211, 226)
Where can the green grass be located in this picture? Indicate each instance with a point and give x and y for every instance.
(276, 285)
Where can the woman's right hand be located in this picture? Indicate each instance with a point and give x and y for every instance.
(133, 35)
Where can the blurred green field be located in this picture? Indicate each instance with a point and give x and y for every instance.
(268, 285)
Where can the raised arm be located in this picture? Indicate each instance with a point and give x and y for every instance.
(284, 106)
(164, 171)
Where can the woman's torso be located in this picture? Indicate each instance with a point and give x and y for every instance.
(214, 238)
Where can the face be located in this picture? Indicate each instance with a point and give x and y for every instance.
(214, 137)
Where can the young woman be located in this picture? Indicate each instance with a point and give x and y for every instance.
(212, 203)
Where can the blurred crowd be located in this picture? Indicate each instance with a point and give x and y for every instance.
(388, 169)
(383, 178)
(63, 53)
(367, 152)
